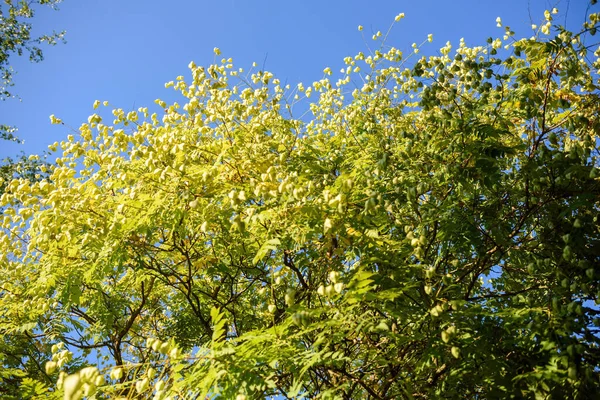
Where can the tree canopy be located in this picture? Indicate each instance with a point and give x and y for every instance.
(410, 227)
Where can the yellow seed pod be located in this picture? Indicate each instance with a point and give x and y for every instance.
(321, 290)
(445, 337)
(164, 348)
(99, 380)
(50, 367)
(338, 287)
(156, 345)
(71, 385)
(88, 389)
(159, 386)
(290, 296)
(142, 385)
(329, 290)
(151, 373)
(455, 352)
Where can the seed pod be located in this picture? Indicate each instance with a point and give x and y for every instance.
(116, 373)
(71, 386)
(445, 337)
(99, 380)
(174, 353)
(333, 276)
(329, 290)
(140, 386)
(290, 296)
(50, 367)
(164, 348)
(88, 389)
(590, 273)
(455, 352)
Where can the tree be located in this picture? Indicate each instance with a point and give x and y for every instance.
(16, 39)
(20, 356)
(431, 232)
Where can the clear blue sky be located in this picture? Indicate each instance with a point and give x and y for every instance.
(124, 51)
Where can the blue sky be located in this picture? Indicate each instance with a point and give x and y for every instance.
(124, 51)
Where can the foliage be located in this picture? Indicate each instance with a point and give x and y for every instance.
(24, 167)
(20, 354)
(428, 229)
(16, 39)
